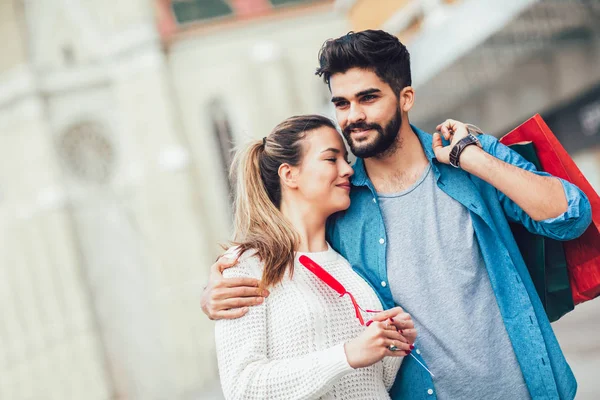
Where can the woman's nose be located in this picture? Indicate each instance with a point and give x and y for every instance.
(347, 170)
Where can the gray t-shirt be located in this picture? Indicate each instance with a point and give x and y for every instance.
(436, 273)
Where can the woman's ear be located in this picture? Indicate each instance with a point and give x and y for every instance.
(407, 98)
(288, 174)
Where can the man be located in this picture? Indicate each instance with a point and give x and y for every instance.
(428, 229)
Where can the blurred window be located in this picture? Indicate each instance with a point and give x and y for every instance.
(286, 2)
(87, 152)
(206, 10)
(198, 10)
(222, 131)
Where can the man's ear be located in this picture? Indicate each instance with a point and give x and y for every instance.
(288, 174)
(407, 99)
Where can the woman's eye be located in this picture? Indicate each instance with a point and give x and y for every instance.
(331, 159)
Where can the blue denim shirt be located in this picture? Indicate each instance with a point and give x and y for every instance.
(359, 235)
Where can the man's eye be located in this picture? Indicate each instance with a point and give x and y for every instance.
(369, 97)
(341, 104)
(331, 159)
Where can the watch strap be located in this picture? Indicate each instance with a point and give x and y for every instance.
(458, 148)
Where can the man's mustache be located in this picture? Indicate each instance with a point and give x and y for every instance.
(363, 126)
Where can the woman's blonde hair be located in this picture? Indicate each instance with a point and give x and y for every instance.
(258, 221)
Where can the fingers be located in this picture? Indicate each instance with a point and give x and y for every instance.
(448, 122)
(447, 132)
(223, 263)
(447, 128)
(400, 349)
(437, 141)
(222, 293)
(397, 317)
(450, 128)
(221, 309)
(398, 330)
(389, 326)
(234, 282)
(388, 332)
(385, 335)
(403, 322)
(442, 153)
(394, 335)
(221, 298)
(410, 335)
(239, 302)
(401, 328)
(388, 314)
(229, 314)
(402, 346)
(411, 332)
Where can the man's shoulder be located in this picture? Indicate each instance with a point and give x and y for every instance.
(359, 196)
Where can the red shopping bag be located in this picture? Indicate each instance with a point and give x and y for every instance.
(583, 253)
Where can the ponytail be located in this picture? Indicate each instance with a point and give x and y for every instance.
(258, 222)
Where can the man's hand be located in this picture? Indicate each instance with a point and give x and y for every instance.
(229, 298)
(541, 197)
(452, 131)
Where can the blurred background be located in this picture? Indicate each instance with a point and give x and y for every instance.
(117, 121)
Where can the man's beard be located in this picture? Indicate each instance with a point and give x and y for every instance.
(384, 143)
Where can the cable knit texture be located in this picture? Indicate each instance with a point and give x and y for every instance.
(292, 345)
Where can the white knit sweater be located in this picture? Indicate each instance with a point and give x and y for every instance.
(292, 345)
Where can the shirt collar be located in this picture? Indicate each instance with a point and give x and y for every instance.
(361, 178)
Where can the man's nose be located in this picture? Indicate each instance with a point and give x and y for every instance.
(356, 114)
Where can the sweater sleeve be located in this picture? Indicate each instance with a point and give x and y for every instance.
(391, 365)
(247, 373)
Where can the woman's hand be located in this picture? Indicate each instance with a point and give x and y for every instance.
(374, 344)
(401, 320)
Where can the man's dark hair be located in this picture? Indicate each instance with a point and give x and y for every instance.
(373, 50)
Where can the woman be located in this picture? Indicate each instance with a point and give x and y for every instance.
(304, 341)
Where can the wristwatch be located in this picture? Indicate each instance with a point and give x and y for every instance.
(460, 146)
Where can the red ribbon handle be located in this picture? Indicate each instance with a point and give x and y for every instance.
(322, 274)
(338, 287)
(331, 282)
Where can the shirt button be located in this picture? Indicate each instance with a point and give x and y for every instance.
(382, 241)
(429, 391)
(418, 351)
(383, 284)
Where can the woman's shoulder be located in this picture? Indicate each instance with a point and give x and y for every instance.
(248, 263)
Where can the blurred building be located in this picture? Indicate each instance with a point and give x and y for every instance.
(496, 63)
(117, 121)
